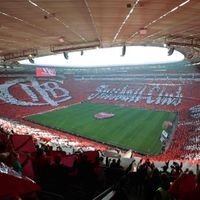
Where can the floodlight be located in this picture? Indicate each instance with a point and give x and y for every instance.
(123, 50)
(66, 55)
(171, 51)
(30, 58)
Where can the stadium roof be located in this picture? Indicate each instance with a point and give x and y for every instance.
(44, 27)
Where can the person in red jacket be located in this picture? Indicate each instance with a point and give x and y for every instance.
(195, 194)
(183, 185)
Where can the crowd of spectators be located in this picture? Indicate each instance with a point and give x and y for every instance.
(77, 175)
(68, 143)
(147, 182)
(85, 174)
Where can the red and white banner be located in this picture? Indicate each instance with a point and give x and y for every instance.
(13, 184)
(43, 72)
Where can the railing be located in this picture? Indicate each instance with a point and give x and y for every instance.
(107, 194)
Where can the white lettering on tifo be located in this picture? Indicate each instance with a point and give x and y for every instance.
(157, 94)
(47, 93)
(194, 112)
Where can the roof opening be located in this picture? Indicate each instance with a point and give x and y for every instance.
(113, 56)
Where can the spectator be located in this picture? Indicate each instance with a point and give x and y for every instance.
(162, 193)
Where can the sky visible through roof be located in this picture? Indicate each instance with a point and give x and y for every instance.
(134, 55)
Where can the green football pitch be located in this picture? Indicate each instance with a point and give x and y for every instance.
(130, 128)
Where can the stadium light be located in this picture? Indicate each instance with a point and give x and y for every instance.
(61, 39)
(30, 58)
(143, 31)
(123, 50)
(171, 51)
(65, 55)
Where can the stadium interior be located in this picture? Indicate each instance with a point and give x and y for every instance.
(94, 133)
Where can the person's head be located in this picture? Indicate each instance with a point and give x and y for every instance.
(190, 172)
(165, 168)
(59, 148)
(113, 161)
(40, 152)
(100, 159)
